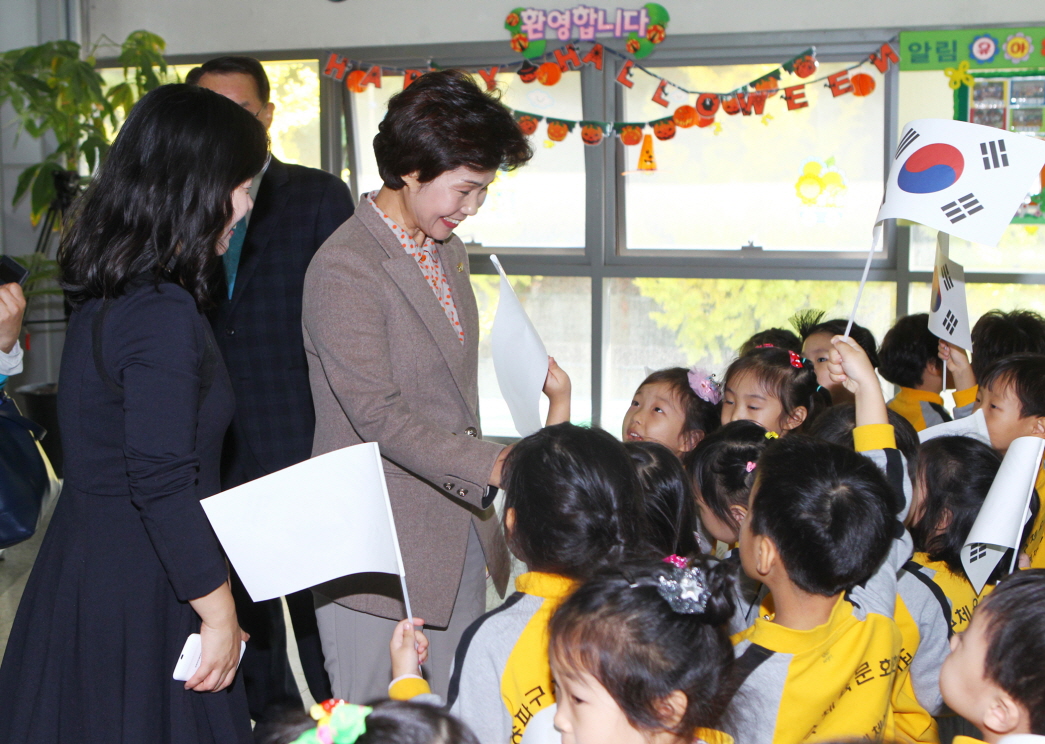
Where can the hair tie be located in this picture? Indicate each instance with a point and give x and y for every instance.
(704, 384)
(772, 435)
(796, 360)
(765, 346)
(338, 722)
(686, 590)
(749, 467)
(676, 560)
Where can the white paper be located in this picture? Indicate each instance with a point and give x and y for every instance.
(974, 426)
(318, 520)
(519, 358)
(948, 311)
(1005, 511)
(964, 179)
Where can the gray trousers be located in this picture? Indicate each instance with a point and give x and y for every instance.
(355, 644)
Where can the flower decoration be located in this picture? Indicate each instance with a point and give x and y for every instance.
(685, 589)
(705, 386)
(959, 76)
(676, 560)
(749, 467)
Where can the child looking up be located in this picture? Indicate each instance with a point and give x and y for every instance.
(909, 357)
(820, 534)
(667, 499)
(776, 388)
(816, 334)
(675, 407)
(640, 656)
(995, 674)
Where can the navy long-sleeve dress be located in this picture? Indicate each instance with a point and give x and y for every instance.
(105, 612)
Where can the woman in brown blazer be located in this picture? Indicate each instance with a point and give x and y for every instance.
(391, 333)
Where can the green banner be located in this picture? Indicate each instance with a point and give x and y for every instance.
(985, 49)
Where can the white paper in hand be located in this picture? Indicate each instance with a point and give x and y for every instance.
(974, 426)
(964, 179)
(948, 312)
(318, 520)
(1005, 511)
(519, 358)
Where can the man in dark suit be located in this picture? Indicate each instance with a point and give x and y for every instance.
(257, 323)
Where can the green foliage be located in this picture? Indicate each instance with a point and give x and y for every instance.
(55, 89)
(43, 275)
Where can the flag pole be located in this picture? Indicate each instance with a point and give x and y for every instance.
(863, 280)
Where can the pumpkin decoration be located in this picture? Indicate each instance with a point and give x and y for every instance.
(731, 105)
(707, 104)
(512, 20)
(631, 134)
(768, 82)
(655, 33)
(549, 73)
(520, 42)
(806, 66)
(664, 128)
(633, 46)
(863, 84)
(685, 116)
(354, 80)
(528, 72)
(557, 130)
(527, 123)
(705, 121)
(591, 133)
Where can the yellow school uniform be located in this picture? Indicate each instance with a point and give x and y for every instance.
(921, 407)
(1033, 547)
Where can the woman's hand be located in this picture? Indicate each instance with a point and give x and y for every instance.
(12, 308)
(220, 636)
(557, 387)
(409, 647)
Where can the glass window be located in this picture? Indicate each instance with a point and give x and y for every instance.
(1021, 249)
(983, 297)
(560, 308)
(657, 323)
(809, 179)
(541, 205)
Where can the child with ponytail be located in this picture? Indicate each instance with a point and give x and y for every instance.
(773, 387)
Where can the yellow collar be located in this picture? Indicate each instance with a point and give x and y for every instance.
(788, 640)
(549, 586)
(926, 395)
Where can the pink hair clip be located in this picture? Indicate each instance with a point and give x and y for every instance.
(677, 561)
(749, 467)
(796, 361)
(705, 385)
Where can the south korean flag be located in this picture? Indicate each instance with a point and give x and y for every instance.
(963, 179)
(948, 312)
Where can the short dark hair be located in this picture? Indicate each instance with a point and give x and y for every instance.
(828, 509)
(906, 349)
(998, 334)
(230, 65)
(701, 415)
(718, 467)
(390, 722)
(162, 197)
(667, 498)
(809, 322)
(619, 629)
(1016, 641)
(836, 425)
(1026, 374)
(957, 473)
(443, 121)
(779, 337)
(792, 386)
(576, 500)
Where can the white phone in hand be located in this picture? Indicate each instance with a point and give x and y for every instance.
(192, 655)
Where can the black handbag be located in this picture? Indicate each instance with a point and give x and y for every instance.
(25, 474)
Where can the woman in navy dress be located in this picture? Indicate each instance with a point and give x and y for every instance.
(129, 566)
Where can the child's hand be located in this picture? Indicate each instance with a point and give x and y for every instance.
(958, 365)
(409, 647)
(848, 364)
(557, 387)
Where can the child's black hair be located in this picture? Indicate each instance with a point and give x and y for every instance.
(906, 349)
(955, 473)
(999, 334)
(618, 628)
(779, 337)
(828, 509)
(701, 415)
(390, 722)
(794, 386)
(809, 322)
(1026, 374)
(1016, 641)
(667, 497)
(836, 425)
(718, 467)
(576, 501)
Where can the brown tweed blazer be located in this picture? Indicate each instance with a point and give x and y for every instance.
(386, 366)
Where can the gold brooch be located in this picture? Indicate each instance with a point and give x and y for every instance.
(460, 268)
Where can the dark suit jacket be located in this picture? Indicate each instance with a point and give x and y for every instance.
(259, 329)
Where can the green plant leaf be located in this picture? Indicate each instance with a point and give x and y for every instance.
(43, 192)
(25, 180)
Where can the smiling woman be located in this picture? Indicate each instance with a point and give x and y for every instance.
(392, 333)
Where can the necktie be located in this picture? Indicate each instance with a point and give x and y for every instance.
(231, 257)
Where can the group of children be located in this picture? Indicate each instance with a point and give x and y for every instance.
(771, 559)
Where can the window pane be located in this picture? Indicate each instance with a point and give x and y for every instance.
(540, 205)
(1022, 248)
(984, 297)
(657, 323)
(809, 179)
(560, 308)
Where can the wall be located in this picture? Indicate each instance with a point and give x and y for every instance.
(207, 26)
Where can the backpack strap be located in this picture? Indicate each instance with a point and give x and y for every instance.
(752, 658)
(915, 569)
